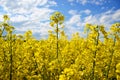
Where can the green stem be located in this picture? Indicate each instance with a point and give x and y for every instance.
(36, 64)
(111, 57)
(94, 62)
(4, 59)
(2, 31)
(11, 63)
(57, 41)
(57, 72)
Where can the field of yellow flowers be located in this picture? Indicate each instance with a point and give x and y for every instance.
(22, 57)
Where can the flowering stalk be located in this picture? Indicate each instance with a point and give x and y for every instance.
(115, 29)
(56, 19)
(57, 41)
(11, 57)
(111, 57)
(4, 24)
(95, 52)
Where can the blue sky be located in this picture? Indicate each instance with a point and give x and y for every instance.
(34, 14)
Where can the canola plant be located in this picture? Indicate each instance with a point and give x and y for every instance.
(22, 57)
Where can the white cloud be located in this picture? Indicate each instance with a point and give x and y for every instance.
(91, 19)
(87, 11)
(24, 6)
(38, 28)
(41, 14)
(19, 18)
(76, 23)
(83, 2)
(52, 3)
(106, 18)
(29, 15)
(116, 15)
(37, 22)
(72, 12)
(70, 0)
(74, 19)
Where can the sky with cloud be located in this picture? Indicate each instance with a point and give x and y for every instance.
(34, 14)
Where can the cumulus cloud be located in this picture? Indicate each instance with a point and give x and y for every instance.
(41, 14)
(29, 14)
(76, 23)
(19, 18)
(72, 12)
(87, 11)
(24, 6)
(106, 18)
(83, 2)
(39, 29)
(70, 0)
(52, 3)
(74, 19)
